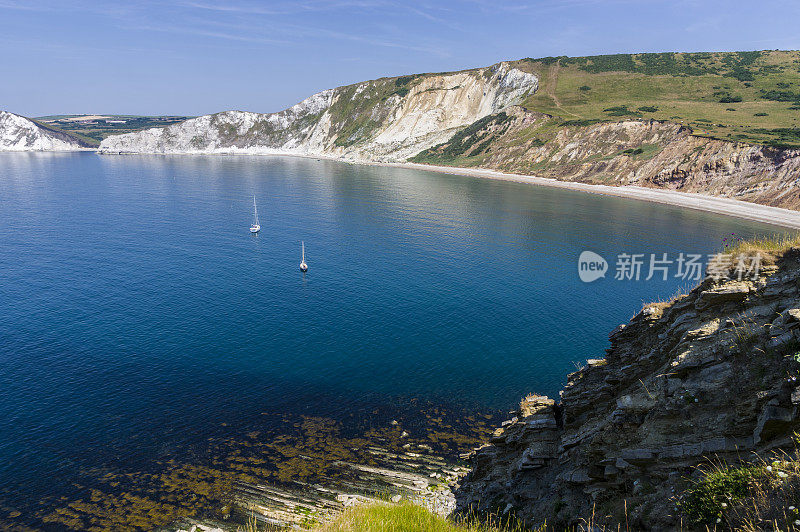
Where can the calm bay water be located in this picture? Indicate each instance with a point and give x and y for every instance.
(137, 312)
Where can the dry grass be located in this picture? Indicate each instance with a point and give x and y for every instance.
(769, 245)
(746, 258)
(250, 526)
(773, 500)
(662, 303)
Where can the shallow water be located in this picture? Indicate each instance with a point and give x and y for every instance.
(138, 313)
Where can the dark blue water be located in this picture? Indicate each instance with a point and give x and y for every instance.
(137, 311)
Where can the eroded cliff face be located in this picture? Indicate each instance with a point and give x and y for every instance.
(712, 375)
(18, 133)
(629, 152)
(388, 119)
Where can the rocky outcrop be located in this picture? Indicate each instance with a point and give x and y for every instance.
(18, 133)
(387, 119)
(710, 376)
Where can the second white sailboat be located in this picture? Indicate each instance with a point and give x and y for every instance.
(256, 227)
(303, 265)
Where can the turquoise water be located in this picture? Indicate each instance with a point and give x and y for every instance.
(138, 312)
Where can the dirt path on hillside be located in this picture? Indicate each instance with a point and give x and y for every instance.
(551, 86)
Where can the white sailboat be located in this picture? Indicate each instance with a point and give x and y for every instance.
(303, 265)
(256, 227)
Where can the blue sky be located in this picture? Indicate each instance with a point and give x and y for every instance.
(201, 56)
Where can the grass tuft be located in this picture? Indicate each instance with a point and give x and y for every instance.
(746, 335)
(406, 517)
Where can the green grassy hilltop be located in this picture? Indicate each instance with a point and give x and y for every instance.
(94, 128)
(745, 96)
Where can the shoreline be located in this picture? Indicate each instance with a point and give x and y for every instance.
(777, 216)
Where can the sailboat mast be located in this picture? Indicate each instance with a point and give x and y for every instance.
(303, 244)
(255, 209)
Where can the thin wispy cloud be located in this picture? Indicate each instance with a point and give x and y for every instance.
(273, 28)
(299, 8)
(426, 13)
(54, 6)
(380, 42)
(54, 49)
(287, 8)
(20, 6)
(213, 34)
(543, 6)
(240, 9)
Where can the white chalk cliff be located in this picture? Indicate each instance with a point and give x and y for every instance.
(388, 119)
(18, 133)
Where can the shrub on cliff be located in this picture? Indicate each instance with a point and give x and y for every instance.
(761, 496)
(706, 501)
(621, 110)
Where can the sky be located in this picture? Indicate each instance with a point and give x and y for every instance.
(195, 57)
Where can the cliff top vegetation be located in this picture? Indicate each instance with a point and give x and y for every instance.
(751, 97)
